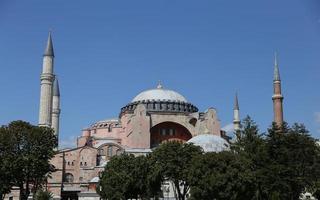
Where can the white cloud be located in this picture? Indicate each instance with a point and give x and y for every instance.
(228, 128)
(68, 142)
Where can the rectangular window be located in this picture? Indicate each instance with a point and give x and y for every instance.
(172, 132)
(110, 151)
(163, 132)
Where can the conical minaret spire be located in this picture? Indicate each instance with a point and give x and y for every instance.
(47, 78)
(49, 48)
(56, 107)
(276, 72)
(236, 115)
(277, 95)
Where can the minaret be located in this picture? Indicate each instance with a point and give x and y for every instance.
(47, 78)
(236, 115)
(56, 107)
(277, 96)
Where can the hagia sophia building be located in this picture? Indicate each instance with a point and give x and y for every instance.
(152, 117)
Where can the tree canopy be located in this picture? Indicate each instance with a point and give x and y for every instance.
(172, 161)
(125, 177)
(25, 151)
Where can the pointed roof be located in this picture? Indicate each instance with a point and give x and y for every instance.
(236, 103)
(56, 90)
(276, 73)
(49, 48)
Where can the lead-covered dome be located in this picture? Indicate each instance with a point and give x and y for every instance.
(160, 100)
(161, 94)
(210, 143)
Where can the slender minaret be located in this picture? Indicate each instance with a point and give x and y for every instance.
(277, 96)
(56, 107)
(236, 115)
(47, 78)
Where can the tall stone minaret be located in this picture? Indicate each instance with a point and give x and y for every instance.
(277, 96)
(47, 78)
(236, 115)
(56, 107)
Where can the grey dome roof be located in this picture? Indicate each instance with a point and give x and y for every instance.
(210, 143)
(161, 94)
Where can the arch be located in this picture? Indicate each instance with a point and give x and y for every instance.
(168, 131)
(68, 178)
(107, 144)
(182, 120)
(107, 150)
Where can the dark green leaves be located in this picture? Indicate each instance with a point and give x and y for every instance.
(25, 151)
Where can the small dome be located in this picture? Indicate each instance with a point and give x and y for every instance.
(161, 94)
(210, 143)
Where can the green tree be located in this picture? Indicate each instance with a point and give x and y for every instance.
(251, 148)
(223, 176)
(43, 195)
(283, 163)
(294, 158)
(126, 176)
(32, 148)
(172, 162)
(6, 167)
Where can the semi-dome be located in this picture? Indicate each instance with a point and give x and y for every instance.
(159, 93)
(210, 143)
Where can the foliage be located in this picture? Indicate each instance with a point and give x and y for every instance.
(29, 154)
(125, 177)
(221, 175)
(6, 157)
(251, 148)
(283, 163)
(43, 195)
(172, 162)
(293, 156)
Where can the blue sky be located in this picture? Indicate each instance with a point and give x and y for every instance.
(109, 51)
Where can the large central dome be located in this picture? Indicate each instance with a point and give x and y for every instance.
(159, 93)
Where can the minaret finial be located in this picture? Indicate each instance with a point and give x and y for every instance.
(159, 86)
(276, 73)
(49, 48)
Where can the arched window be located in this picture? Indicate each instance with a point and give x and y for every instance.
(68, 178)
(101, 152)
